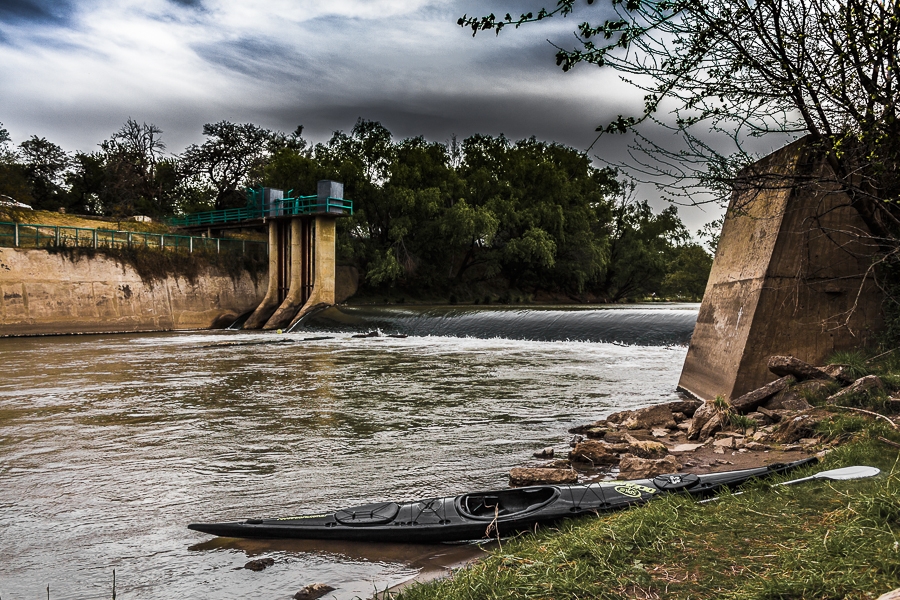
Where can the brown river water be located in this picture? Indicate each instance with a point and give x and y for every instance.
(111, 444)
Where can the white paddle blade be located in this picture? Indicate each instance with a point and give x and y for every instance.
(857, 472)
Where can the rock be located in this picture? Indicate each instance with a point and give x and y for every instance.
(594, 452)
(596, 433)
(726, 442)
(685, 407)
(892, 595)
(710, 427)
(615, 437)
(577, 439)
(260, 564)
(790, 447)
(545, 453)
(807, 443)
(685, 447)
(839, 372)
(647, 449)
(760, 418)
(311, 592)
(751, 400)
(659, 433)
(801, 371)
(522, 477)
(772, 416)
(633, 467)
(861, 385)
(684, 426)
(582, 429)
(787, 400)
(755, 446)
(650, 417)
(701, 416)
(792, 430)
(719, 450)
(679, 417)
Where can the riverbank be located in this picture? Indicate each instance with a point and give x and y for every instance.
(816, 540)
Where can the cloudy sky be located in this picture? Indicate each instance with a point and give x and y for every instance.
(74, 70)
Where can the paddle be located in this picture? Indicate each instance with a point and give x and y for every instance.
(842, 474)
(857, 472)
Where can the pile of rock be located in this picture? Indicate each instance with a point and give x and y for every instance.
(677, 436)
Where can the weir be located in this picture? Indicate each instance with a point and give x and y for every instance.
(301, 254)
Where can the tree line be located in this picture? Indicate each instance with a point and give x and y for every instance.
(472, 218)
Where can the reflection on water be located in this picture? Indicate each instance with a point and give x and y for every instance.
(110, 445)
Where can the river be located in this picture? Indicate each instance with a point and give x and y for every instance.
(111, 444)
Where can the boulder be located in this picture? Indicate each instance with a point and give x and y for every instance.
(862, 385)
(522, 477)
(793, 430)
(701, 416)
(773, 416)
(892, 595)
(759, 417)
(594, 452)
(545, 453)
(650, 417)
(647, 449)
(259, 564)
(312, 592)
(839, 372)
(583, 429)
(710, 427)
(633, 467)
(685, 407)
(751, 400)
(799, 370)
(788, 399)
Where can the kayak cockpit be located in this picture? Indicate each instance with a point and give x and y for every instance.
(504, 503)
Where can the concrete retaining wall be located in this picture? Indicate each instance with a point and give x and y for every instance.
(44, 293)
(790, 277)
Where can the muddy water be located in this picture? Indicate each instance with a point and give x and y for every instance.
(110, 445)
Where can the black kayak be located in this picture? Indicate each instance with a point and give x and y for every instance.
(484, 514)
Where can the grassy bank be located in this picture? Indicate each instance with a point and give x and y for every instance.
(819, 540)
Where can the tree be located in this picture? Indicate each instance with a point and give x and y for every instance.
(227, 160)
(45, 165)
(13, 179)
(130, 185)
(716, 71)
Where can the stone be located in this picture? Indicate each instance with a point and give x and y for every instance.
(650, 417)
(685, 407)
(701, 416)
(862, 385)
(260, 564)
(892, 595)
(594, 452)
(760, 418)
(751, 400)
(793, 430)
(678, 448)
(809, 442)
(684, 426)
(523, 476)
(800, 370)
(314, 591)
(719, 450)
(726, 442)
(596, 433)
(545, 453)
(615, 437)
(576, 439)
(772, 416)
(647, 449)
(710, 427)
(755, 446)
(659, 433)
(633, 467)
(679, 417)
(839, 372)
(787, 400)
(582, 429)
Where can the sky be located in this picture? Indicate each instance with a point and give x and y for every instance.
(74, 71)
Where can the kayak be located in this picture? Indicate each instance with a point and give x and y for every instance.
(485, 514)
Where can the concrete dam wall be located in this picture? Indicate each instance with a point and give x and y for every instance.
(47, 293)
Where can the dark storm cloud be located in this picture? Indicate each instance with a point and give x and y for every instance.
(260, 59)
(196, 4)
(50, 12)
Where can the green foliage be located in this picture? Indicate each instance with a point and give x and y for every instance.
(855, 360)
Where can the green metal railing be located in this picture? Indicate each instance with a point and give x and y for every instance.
(32, 235)
(281, 207)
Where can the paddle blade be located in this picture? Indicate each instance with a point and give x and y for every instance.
(857, 472)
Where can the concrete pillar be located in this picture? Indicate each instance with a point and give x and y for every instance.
(324, 267)
(295, 296)
(789, 277)
(270, 302)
